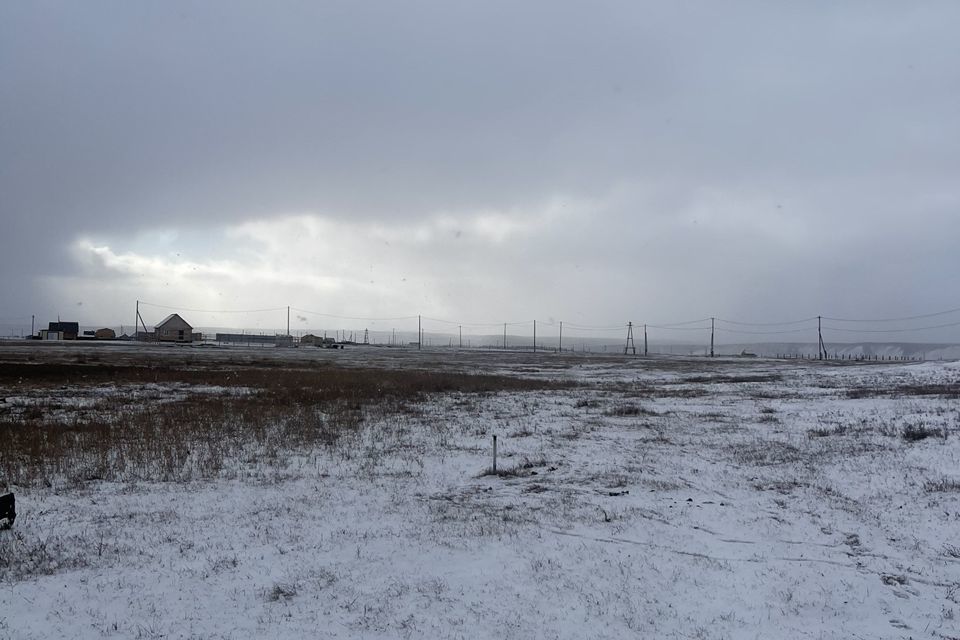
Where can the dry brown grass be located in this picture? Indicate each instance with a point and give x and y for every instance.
(734, 379)
(262, 411)
(664, 390)
(626, 409)
(946, 390)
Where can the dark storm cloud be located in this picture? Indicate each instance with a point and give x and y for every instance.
(808, 148)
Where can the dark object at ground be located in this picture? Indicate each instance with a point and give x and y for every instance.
(8, 511)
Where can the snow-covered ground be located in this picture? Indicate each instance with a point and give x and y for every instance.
(658, 498)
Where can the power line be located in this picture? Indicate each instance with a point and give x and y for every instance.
(161, 306)
(595, 326)
(908, 330)
(599, 329)
(480, 324)
(764, 333)
(671, 325)
(370, 319)
(548, 323)
(767, 324)
(670, 328)
(466, 324)
(920, 317)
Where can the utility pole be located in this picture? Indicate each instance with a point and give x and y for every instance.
(821, 347)
(288, 320)
(644, 339)
(32, 318)
(136, 327)
(711, 335)
(419, 333)
(630, 346)
(504, 336)
(393, 337)
(534, 336)
(461, 336)
(561, 337)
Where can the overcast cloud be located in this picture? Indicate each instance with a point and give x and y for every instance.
(588, 162)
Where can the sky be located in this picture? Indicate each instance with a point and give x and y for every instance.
(481, 162)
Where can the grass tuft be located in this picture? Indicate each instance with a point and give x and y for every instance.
(521, 470)
(917, 432)
(943, 485)
(625, 410)
(281, 591)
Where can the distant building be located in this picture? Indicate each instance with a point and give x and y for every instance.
(67, 330)
(254, 338)
(173, 328)
(318, 341)
(105, 334)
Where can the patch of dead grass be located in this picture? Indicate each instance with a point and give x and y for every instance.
(187, 435)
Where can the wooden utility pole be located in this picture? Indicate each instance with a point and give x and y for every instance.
(711, 335)
(644, 339)
(561, 337)
(419, 333)
(461, 336)
(136, 327)
(288, 320)
(822, 348)
(504, 336)
(534, 336)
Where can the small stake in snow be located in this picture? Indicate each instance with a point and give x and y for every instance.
(494, 454)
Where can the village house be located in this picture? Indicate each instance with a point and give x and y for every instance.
(60, 331)
(173, 328)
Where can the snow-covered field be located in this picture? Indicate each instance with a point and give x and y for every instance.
(654, 498)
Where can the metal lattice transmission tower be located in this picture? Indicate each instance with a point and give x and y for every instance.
(630, 347)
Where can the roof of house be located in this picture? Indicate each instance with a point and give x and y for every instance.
(171, 317)
(66, 327)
